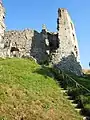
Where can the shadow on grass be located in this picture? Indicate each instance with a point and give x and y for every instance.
(75, 91)
(45, 71)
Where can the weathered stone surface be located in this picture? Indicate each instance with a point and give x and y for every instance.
(2, 25)
(25, 43)
(66, 57)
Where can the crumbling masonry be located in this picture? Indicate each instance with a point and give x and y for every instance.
(59, 48)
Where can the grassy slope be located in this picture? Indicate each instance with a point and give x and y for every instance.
(85, 81)
(25, 94)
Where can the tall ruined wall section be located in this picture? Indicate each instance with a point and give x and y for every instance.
(25, 43)
(2, 27)
(66, 57)
(67, 34)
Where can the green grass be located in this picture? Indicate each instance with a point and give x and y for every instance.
(27, 92)
(80, 92)
(85, 81)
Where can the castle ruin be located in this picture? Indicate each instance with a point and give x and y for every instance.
(59, 48)
(2, 27)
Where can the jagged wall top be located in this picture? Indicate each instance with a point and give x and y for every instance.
(42, 46)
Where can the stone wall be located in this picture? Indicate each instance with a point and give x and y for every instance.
(2, 26)
(25, 43)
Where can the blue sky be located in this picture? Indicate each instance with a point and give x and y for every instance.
(32, 14)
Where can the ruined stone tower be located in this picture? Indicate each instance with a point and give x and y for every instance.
(67, 34)
(66, 57)
(2, 27)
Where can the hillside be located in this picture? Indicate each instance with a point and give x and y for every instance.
(77, 89)
(28, 93)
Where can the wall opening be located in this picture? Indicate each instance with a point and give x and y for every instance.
(73, 36)
(53, 41)
(75, 49)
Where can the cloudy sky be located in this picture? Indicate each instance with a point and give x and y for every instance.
(32, 14)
